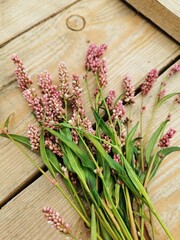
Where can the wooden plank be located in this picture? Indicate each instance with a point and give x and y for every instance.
(164, 13)
(135, 47)
(17, 16)
(21, 218)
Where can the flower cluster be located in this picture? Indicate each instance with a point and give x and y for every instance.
(119, 112)
(165, 140)
(64, 89)
(22, 77)
(129, 90)
(110, 100)
(174, 69)
(149, 81)
(56, 220)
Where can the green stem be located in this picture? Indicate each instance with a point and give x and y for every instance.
(141, 163)
(152, 225)
(142, 222)
(131, 217)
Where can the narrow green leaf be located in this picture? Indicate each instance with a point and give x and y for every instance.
(164, 152)
(105, 128)
(153, 140)
(18, 138)
(44, 154)
(93, 224)
(129, 144)
(6, 124)
(53, 161)
(166, 98)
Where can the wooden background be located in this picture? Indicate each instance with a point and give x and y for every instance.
(38, 32)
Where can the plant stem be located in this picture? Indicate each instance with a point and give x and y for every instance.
(131, 217)
(141, 162)
(142, 222)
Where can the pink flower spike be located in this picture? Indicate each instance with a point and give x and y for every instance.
(165, 140)
(34, 136)
(110, 99)
(22, 77)
(149, 81)
(129, 90)
(174, 69)
(119, 112)
(55, 220)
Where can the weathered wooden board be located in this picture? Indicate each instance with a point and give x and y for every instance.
(134, 47)
(21, 218)
(164, 13)
(19, 16)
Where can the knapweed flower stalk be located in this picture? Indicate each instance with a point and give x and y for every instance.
(104, 165)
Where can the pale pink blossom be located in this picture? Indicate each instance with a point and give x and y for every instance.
(174, 69)
(165, 140)
(55, 220)
(149, 81)
(129, 90)
(22, 77)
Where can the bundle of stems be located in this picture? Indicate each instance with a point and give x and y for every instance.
(106, 165)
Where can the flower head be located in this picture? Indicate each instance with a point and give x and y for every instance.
(174, 69)
(165, 140)
(22, 77)
(94, 53)
(129, 90)
(149, 81)
(110, 99)
(34, 136)
(64, 90)
(119, 112)
(55, 220)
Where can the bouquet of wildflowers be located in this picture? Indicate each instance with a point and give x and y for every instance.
(106, 164)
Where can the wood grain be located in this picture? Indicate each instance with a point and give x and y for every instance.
(18, 16)
(21, 218)
(164, 13)
(135, 47)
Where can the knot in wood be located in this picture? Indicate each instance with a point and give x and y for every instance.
(75, 22)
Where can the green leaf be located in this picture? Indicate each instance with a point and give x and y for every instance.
(93, 224)
(166, 98)
(164, 152)
(44, 154)
(6, 124)
(18, 138)
(53, 161)
(105, 128)
(86, 161)
(153, 140)
(129, 144)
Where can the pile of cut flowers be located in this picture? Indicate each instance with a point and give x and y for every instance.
(106, 164)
